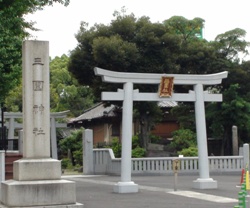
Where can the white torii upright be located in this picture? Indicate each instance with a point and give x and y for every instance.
(128, 95)
(12, 125)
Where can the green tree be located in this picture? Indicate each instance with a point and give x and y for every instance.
(137, 151)
(222, 116)
(187, 29)
(71, 145)
(66, 93)
(182, 139)
(128, 44)
(222, 54)
(189, 152)
(232, 43)
(13, 30)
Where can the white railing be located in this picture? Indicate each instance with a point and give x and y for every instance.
(106, 163)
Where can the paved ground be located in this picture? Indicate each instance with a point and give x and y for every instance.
(157, 192)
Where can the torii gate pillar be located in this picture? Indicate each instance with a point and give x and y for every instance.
(204, 182)
(126, 185)
(128, 95)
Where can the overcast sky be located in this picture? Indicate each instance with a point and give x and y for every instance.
(59, 24)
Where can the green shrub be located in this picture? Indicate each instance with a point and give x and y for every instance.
(72, 143)
(116, 147)
(66, 163)
(135, 141)
(154, 139)
(182, 139)
(189, 152)
(138, 152)
(77, 154)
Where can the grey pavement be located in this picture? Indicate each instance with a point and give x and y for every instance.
(157, 192)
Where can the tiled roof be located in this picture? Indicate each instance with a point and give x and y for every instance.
(100, 110)
(96, 111)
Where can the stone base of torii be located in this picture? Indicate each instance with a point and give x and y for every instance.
(37, 177)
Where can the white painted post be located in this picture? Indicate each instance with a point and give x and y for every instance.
(126, 185)
(11, 135)
(87, 141)
(2, 166)
(2, 170)
(53, 138)
(246, 156)
(235, 140)
(204, 182)
(20, 141)
(127, 122)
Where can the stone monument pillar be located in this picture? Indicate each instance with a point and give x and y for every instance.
(37, 177)
(235, 140)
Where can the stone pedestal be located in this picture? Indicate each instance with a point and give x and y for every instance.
(38, 183)
(208, 183)
(125, 187)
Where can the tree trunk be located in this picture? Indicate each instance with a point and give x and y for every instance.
(144, 131)
(226, 148)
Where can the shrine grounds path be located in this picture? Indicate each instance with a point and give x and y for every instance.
(157, 192)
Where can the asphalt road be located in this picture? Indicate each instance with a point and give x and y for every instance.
(157, 192)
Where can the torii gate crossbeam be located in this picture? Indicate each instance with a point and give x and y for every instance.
(128, 95)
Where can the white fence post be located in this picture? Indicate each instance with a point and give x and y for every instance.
(20, 141)
(246, 156)
(105, 163)
(2, 166)
(87, 141)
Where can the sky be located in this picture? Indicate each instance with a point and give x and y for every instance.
(59, 24)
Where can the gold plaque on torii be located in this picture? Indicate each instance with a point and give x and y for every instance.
(166, 86)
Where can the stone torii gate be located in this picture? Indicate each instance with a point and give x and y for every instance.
(128, 95)
(12, 125)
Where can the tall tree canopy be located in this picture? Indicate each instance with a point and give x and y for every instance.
(66, 93)
(13, 30)
(130, 44)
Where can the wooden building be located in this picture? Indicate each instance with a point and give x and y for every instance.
(106, 122)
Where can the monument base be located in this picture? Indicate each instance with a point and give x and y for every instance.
(126, 187)
(207, 183)
(50, 193)
(28, 169)
(76, 205)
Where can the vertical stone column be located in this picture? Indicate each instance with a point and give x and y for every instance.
(204, 182)
(235, 140)
(2, 167)
(87, 141)
(53, 138)
(37, 177)
(20, 141)
(11, 135)
(36, 102)
(246, 156)
(126, 185)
